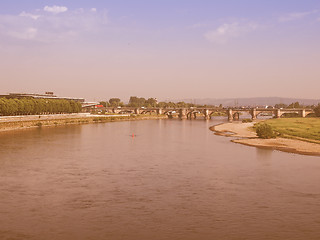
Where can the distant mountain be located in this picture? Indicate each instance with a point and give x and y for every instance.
(252, 102)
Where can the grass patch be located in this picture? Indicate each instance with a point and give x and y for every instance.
(308, 128)
(218, 114)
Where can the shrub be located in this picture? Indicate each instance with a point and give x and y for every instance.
(39, 124)
(317, 110)
(247, 120)
(265, 131)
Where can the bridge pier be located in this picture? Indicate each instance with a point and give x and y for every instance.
(207, 114)
(236, 116)
(303, 113)
(137, 110)
(183, 113)
(159, 111)
(230, 115)
(277, 113)
(253, 113)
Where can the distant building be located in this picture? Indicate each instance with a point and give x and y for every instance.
(47, 95)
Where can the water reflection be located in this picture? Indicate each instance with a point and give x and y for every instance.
(174, 180)
(264, 154)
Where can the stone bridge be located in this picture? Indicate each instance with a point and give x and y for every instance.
(233, 113)
(192, 113)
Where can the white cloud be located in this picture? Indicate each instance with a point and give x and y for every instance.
(93, 9)
(55, 9)
(40, 26)
(25, 34)
(295, 16)
(228, 31)
(25, 14)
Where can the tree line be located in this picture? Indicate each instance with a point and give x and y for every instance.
(31, 106)
(139, 102)
(293, 105)
(298, 105)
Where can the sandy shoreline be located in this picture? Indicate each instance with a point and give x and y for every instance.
(248, 137)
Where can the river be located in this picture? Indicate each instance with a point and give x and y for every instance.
(173, 180)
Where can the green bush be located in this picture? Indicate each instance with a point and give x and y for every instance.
(39, 124)
(247, 120)
(265, 131)
(317, 110)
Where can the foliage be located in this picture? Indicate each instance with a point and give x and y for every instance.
(31, 106)
(317, 110)
(280, 105)
(39, 124)
(105, 104)
(142, 102)
(295, 105)
(290, 115)
(265, 131)
(308, 128)
(115, 102)
(138, 102)
(247, 120)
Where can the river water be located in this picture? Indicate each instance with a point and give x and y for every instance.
(173, 180)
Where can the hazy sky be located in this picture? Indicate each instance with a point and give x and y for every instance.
(161, 48)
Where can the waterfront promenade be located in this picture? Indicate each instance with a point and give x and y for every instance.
(54, 117)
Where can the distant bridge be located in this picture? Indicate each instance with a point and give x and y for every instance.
(192, 113)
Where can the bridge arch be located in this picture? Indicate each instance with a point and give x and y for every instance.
(217, 112)
(265, 113)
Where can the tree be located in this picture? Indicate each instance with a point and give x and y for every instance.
(280, 105)
(151, 102)
(317, 110)
(103, 103)
(27, 106)
(295, 105)
(133, 101)
(137, 102)
(162, 105)
(181, 104)
(114, 102)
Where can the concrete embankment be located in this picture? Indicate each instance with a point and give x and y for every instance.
(35, 121)
(245, 135)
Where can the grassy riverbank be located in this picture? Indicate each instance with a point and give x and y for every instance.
(302, 128)
(302, 138)
(26, 123)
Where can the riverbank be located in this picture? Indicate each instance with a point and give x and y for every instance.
(36, 121)
(246, 136)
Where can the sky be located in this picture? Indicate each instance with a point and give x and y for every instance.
(168, 49)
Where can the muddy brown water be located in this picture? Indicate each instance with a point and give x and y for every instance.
(173, 180)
